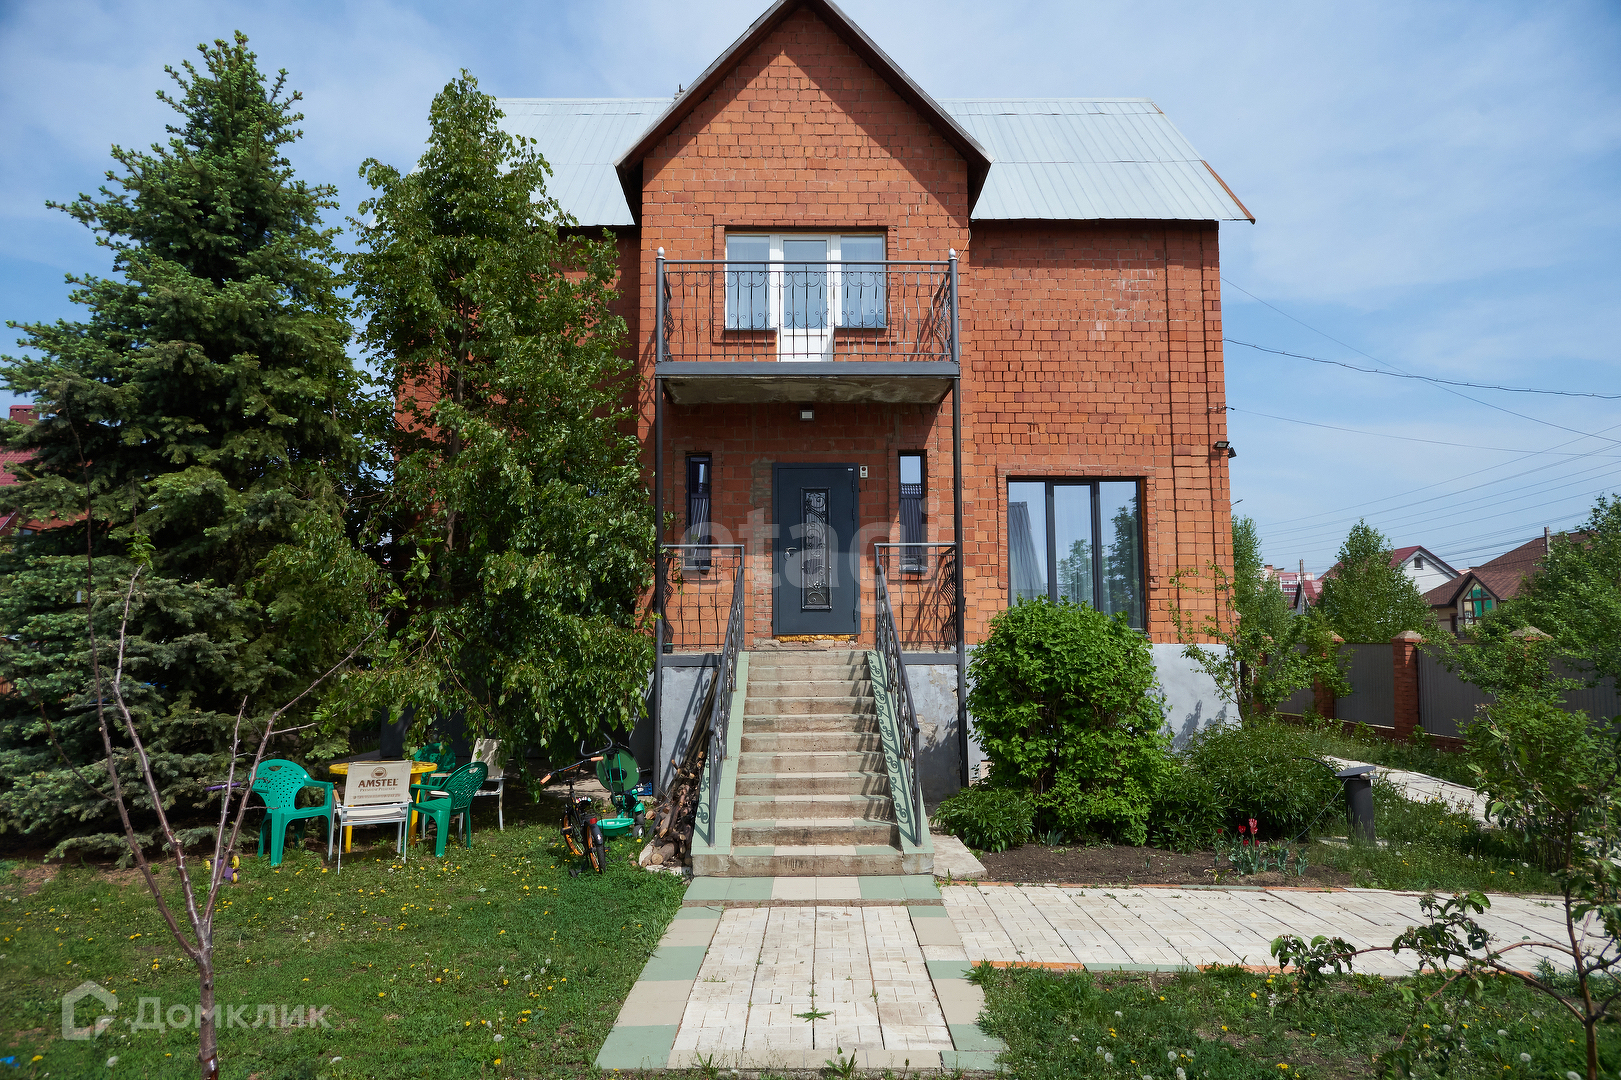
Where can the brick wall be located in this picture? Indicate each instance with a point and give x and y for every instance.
(1088, 349)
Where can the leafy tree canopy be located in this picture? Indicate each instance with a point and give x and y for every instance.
(202, 404)
(1364, 598)
(522, 534)
(1575, 595)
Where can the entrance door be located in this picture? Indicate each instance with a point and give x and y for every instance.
(815, 589)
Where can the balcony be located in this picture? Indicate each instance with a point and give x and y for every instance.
(751, 332)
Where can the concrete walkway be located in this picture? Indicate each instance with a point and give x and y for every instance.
(1421, 787)
(792, 973)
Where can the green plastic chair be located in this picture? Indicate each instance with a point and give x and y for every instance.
(454, 796)
(439, 753)
(278, 782)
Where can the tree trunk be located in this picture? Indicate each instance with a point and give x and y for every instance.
(207, 1021)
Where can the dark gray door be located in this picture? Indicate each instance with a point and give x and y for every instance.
(815, 590)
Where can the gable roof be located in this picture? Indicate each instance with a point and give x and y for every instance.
(1502, 576)
(1030, 159)
(1402, 554)
(863, 46)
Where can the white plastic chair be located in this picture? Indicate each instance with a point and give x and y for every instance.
(489, 752)
(374, 793)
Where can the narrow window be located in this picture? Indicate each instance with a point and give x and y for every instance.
(748, 295)
(699, 529)
(913, 559)
(862, 282)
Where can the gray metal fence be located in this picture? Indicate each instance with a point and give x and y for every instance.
(1372, 700)
(1446, 703)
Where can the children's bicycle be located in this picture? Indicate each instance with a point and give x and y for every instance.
(581, 832)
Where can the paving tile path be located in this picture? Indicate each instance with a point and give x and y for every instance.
(791, 973)
(1421, 787)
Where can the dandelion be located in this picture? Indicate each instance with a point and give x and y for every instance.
(1108, 1059)
(1170, 1055)
(1117, 1012)
(1501, 1034)
(1571, 1073)
(1526, 1058)
(337, 1059)
(1181, 1074)
(112, 1061)
(499, 1036)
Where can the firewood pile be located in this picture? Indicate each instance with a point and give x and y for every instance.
(673, 824)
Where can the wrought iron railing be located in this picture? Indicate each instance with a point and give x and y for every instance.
(725, 686)
(717, 310)
(698, 591)
(922, 585)
(898, 691)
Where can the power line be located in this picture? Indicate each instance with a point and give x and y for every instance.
(1406, 438)
(1421, 378)
(1438, 386)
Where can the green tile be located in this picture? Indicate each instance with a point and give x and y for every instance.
(949, 969)
(874, 849)
(749, 888)
(638, 1047)
(927, 911)
(710, 913)
(882, 888)
(706, 889)
(674, 962)
(969, 1037)
(970, 1060)
(920, 887)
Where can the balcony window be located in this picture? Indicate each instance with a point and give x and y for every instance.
(805, 286)
(1078, 541)
(913, 560)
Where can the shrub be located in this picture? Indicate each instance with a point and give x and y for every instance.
(1184, 815)
(1066, 706)
(988, 818)
(1266, 771)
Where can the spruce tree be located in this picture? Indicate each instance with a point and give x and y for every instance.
(523, 531)
(204, 407)
(1366, 599)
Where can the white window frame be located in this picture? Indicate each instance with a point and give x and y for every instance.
(774, 267)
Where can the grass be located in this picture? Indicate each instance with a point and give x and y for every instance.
(1228, 1024)
(421, 965)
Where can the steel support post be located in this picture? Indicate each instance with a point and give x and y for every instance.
(962, 558)
(660, 751)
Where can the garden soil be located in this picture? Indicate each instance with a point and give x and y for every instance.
(1122, 866)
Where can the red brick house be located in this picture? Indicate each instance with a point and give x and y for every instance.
(990, 330)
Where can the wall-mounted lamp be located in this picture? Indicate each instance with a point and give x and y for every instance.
(807, 414)
(1227, 447)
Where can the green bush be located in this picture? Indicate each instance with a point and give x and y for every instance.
(1267, 771)
(988, 818)
(1184, 815)
(1066, 706)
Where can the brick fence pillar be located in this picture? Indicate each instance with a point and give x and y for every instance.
(1323, 699)
(1404, 661)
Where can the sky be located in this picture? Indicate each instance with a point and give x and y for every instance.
(1437, 190)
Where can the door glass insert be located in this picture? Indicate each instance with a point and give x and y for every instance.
(813, 566)
(1027, 539)
(804, 288)
(748, 293)
(862, 287)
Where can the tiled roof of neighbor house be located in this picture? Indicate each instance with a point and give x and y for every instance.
(1056, 159)
(1502, 576)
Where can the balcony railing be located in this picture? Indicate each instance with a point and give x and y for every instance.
(698, 586)
(922, 588)
(717, 310)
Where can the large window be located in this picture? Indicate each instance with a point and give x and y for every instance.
(806, 283)
(1077, 540)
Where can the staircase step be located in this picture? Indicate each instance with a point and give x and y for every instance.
(794, 806)
(789, 762)
(793, 785)
(796, 706)
(757, 725)
(826, 860)
(809, 672)
(779, 832)
(776, 742)
(795, 688)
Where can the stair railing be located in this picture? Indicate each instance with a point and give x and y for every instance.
(726, 680)
(888, 640)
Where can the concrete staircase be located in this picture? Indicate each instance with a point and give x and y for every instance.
(812, 794)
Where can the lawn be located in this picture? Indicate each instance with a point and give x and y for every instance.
(1229, 1024)
(492, 962)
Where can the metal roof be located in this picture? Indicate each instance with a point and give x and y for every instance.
(1059, 159)
(1088, 159)
(580, 139)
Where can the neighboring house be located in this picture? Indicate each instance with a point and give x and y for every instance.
(9, 461)
(1423, 567)
(988, 329)
(1461, 602)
